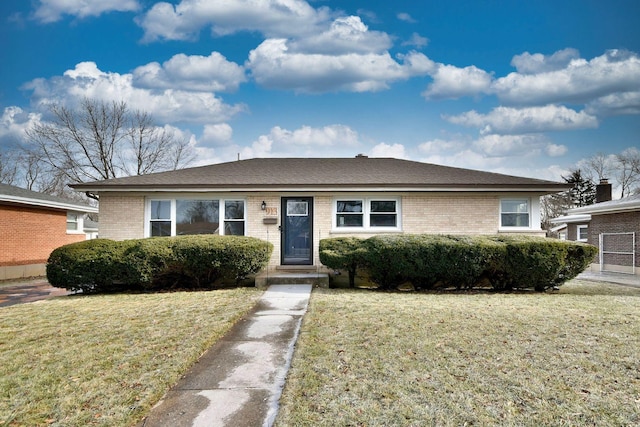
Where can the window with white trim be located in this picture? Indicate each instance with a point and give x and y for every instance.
(367, 213)
(160, 222)
(175, 217)
(583, 233)
(515, 213)
(72, 221)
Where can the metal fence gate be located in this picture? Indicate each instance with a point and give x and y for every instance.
(619, 250)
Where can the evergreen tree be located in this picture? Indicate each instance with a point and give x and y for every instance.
(583, 192)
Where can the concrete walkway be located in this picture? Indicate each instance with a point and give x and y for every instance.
(239, 380)
(28, 290)
(617, 278)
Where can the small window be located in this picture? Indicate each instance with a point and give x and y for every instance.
(383, 213)
(367, 214)
(234, 217)
(349, 213)
(160, 218)
(583, 233)
(72, 221)
(514, 213)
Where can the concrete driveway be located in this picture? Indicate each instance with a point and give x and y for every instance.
(28, 291)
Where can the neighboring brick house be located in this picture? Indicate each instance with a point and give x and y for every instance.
(31, 226)
(295, 202)
(614, 227)
(575, 225)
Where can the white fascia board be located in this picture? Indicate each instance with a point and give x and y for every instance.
(595, 210)
(47, 204)
(324, 189)
(569, 219)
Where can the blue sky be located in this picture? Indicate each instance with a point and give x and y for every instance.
(529, 88)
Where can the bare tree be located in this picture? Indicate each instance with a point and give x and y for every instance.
(8, 168)
(553, 206)
(152, 149)
(600, 166)
(100, 141)
(628, 170)
(622, 169)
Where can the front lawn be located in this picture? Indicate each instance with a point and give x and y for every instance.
(368, 358)
(105, 360)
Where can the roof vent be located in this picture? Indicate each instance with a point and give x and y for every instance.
(362, 156)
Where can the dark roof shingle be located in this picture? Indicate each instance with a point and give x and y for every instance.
(263, 173)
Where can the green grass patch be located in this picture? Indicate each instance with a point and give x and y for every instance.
(368, 358)
(105, 360)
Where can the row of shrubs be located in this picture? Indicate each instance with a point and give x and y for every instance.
(157, 263)
(437, 261)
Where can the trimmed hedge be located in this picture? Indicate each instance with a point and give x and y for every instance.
(439, 261)
(342, 253)
(102, 265)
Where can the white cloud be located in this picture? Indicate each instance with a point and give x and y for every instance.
(53, 10)
(194, 73)
(169, 105)
(385, 150)
(326, 136)
(13, 124)
(536, 63)
(403, 16)
(274, 18)
(436, 146)
(345, 35)
(416, 40)
(517, 146)
(259, 148)
(217, 134)
(556, 150)
(453, 82)
(274, 66)
(520, 155)
(305, 141)
(507, 120)
(616, 104)
(617, 71)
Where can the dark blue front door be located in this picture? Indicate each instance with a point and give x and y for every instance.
(297, 231)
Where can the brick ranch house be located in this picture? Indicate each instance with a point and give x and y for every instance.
(31, 226)
(295, 202)
(614, 227)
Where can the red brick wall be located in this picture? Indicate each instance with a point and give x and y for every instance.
(28, 235)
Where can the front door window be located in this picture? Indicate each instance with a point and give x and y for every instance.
(297, 230)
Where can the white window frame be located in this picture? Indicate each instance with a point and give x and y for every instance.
(578, 229)
(221, 211)
(529, 213)
(366, 214)
(79, 222)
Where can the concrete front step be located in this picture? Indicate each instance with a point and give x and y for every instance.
(292, 278)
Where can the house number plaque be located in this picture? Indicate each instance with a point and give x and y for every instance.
(272, 211)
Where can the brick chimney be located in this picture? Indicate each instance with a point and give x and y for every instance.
(603, 191)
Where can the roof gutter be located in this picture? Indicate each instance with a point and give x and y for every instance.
(47, 204)
(323, 188)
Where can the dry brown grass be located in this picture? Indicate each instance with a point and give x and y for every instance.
(416, 359)
(105, 360)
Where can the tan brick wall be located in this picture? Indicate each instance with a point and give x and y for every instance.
(28, 235)
(450, 214)
(121, 216)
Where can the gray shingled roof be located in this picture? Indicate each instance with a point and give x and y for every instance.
(10, 194)
(626, 204)
(327, 173)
